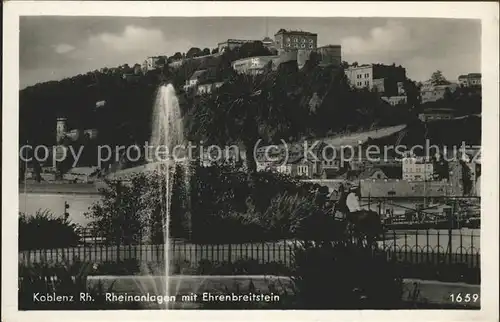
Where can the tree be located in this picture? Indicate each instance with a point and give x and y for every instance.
(177, 56)
(355, 276)
(126, 69)
(206, 51)
(161, 62)
(441, 168)
(137, 69)
(215, 50)
(466, 178)
(22, 170)
(437, 78)
(412, 93)
(251, 49)
(240, 111)
(125, 215)
(37, 170)
(193, 52)
(34, 230)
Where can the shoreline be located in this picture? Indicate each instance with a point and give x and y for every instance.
(60, 188)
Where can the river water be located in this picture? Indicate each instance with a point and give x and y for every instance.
(80, 203)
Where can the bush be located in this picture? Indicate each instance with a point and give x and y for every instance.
(241, 267)
(44, 231)
(343, 275)
(261, 207)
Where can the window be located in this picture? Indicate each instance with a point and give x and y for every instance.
(303, 46)
(303, 40)
(310, 41)
(288, 39)
(295, 39)
(310, 46)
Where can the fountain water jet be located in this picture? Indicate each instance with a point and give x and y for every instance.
(167, 130)
(167, 133)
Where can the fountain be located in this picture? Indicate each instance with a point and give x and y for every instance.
(167, 131)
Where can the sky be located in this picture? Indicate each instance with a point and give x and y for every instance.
(56, 47)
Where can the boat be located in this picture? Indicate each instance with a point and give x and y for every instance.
(423, 225)
(473, 223)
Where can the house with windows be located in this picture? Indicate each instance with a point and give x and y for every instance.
(199, 77)
(470, 80)
(433, 93)
(231, 44)
(384, 79)
(297, 166)
(295, 39)
(395, 100)
(208, 88)
(154, 62)
(417, 169)
(434, 114)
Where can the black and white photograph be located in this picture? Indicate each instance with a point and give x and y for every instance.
(262, 162)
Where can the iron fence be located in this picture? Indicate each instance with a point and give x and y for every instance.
(413, 247)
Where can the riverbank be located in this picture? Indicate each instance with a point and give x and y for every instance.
(60, 188)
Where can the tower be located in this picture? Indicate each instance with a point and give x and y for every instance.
(60, 129)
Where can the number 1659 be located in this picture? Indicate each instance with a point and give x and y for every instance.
(464, 298)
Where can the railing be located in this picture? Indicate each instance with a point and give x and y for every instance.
(442, 253)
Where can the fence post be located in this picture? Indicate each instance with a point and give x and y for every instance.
(118, 197)
(229, 259)
(450, 227)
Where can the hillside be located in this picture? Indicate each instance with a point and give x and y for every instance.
(287, 103)
(449, 133)
(319, 102)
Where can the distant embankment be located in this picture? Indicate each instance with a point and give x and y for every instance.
(353, 139)
(60, 188)
(449, 133)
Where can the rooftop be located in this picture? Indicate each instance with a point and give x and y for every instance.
(373, 65)
(430, 87)
(368, 173)
(197, 74)
(438, 109)
(295, 32)
(242, 41)
(330, 46)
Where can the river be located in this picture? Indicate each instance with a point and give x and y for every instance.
(79, 203)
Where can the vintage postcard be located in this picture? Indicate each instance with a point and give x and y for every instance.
(224, 160)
